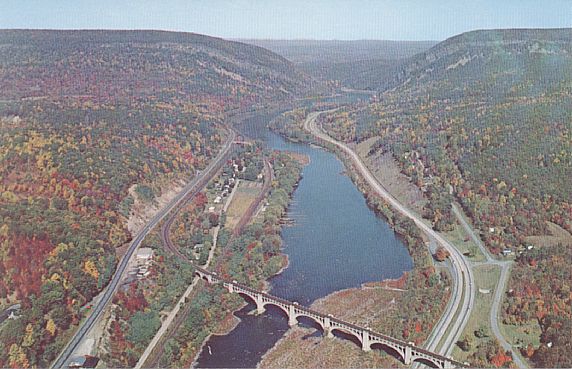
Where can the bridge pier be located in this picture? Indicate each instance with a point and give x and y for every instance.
(292, 321)
(259, 304)
(448, 365)
(365, 344)
(407, 359)
(328, 328)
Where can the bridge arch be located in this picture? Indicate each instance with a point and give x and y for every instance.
(249, 297)
(349, 333)
(317, 322)
(390, 350)
(281, 308)
(203, 276)
(426, 361)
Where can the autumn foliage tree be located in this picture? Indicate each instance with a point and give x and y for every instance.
(441, 254)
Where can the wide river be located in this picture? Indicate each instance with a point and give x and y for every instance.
(336, 242)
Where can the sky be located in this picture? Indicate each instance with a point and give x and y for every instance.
(291, 19)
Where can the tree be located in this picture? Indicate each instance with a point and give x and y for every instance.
(441, 254)
(90, 268)
(481, 332)
(142, 327)
(465, 344)
(51, 326)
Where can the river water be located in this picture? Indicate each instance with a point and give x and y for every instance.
(336, 242)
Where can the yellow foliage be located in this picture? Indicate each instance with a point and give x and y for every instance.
(90, 268)
(51, 326)
(28, 340)
(17, 357)
(9, 196)
(4, 230)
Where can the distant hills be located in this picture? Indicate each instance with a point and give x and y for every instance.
(360, 64)
(381, 65)
(492, 56)
(339, 51)
(121, 64)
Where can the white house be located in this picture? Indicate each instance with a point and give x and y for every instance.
(144, 255)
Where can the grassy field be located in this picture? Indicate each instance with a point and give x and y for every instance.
(244, 196)
(486, 278)
(522, 335)
(458, 236)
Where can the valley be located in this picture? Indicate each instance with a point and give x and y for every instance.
(417, 191)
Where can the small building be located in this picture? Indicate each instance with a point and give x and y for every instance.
(143, 272)
(86, 361)
(506, 252)
(491, 230)
(144, 255)
(198, 247)
(211, 209)
(217, 200)
(529, 247)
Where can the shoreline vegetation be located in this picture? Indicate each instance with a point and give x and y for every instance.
(252, 258)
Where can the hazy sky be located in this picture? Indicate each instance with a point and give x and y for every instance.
(291, 19)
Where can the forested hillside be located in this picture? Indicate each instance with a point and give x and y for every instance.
(484, 118)
(84, 117)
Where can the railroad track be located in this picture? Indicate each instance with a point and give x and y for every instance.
(98, 308)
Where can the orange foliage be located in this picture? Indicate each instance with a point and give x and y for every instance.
(501, 359)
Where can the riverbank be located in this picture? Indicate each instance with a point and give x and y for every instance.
(420, 302)
(304, 347)
(251, 258)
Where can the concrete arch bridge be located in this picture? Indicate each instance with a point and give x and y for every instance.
(405, 351)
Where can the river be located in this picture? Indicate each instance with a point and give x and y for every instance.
(336, 242)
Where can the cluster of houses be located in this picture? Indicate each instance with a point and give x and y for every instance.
(224, 188)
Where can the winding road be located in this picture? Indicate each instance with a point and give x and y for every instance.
(453, 322)
(109, 291)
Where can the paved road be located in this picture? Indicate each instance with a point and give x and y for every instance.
(98, 308)
(500, 288)
(464, 296)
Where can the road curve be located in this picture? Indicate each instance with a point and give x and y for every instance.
(463, 297)
(98, 308)
(500, 288)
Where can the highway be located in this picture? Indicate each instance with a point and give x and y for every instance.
(457, 313)
(98, 307)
